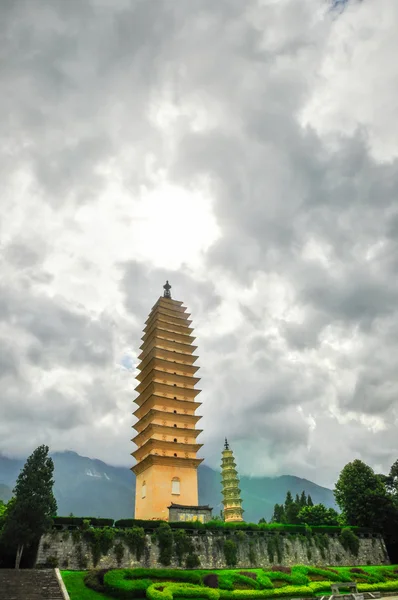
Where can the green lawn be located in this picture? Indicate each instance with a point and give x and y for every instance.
(74, 582)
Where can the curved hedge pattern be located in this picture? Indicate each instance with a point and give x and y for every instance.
(170, 584)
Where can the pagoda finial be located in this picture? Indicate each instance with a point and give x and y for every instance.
(167, 288)
(226, 445)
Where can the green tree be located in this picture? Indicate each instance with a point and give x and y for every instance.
(289, 499)
(318, 515)
(391, 481)
(291, 513)
(262, 520)
(309, 501)
(362, 497)
(3, 509)
(303, 499)
(34, 504)
(279, 514)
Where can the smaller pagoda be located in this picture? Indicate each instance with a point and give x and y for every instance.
(230, 486)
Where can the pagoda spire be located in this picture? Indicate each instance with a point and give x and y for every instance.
(167, 288)
(230, 486)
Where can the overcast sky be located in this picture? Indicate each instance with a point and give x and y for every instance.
(244, 150)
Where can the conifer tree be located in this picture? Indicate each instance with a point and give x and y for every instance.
(303, 499)
(309, 501)
(34, 503)
(279, 514)
(288, 499)
(291, 513)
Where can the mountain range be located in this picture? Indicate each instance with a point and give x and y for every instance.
(89, 487)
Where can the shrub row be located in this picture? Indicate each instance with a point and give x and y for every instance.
(221, 525)
(78, 521)
(197, 525)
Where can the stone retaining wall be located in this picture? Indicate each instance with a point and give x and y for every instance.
(253, 551)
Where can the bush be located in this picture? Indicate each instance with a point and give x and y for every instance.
(81, 557)
(67, 521)
(243, 580)
(275, 547)
(165, 541)
(328, 574)
(78, 521)
(230, 553)
(287, 590)
(158, 591)
(135, 540)
(192, 577)
(118, 585)
(100, 522)
(52, 562)
(119, 553)
(264, 581)
(387, 586)
(95, 580)
(182, 545)
(349, 541)
(252, 554)
(168, 591)
(100, 540)
(129, 523)
(181, 590)
(192, 561)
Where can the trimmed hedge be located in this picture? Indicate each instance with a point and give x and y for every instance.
(78, 521)
(329, 575)
(222, 526)
(119, 586)
(159, 591)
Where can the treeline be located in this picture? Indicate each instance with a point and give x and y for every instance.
(302, 511)
(366, 499)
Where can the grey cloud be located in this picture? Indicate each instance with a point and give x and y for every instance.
(78, 84)
(8, 361)
(22, 255)
(141, 282)
(62, 333)
(300, 336)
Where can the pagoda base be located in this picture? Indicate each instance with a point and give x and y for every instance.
(163, 480)
(181, 512)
